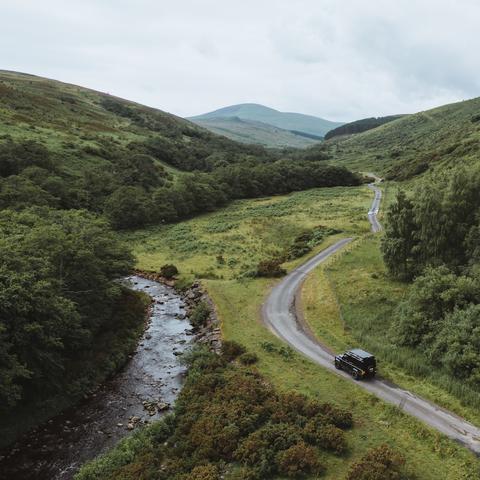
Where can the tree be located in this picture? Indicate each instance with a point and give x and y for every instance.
(129, 207)
(399, 242)
(434, 294)
(457, 345)
(57, 290)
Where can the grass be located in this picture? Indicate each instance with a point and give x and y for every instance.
(346, 311)
(437, 139)
(247, 231)
(229, 243)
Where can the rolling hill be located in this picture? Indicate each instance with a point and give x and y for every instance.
(438, 138)
(359, 126)
(296, 123)
(87, 127)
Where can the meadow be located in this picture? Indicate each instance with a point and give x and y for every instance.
(221, 249)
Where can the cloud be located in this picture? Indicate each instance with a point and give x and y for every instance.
(339, 60)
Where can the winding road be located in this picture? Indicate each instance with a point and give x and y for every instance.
(279, 314)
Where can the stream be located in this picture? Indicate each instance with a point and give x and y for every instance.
(138, 394)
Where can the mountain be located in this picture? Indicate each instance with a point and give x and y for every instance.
(360, 126)
(249, 131)
(294, 122)
(434, 139)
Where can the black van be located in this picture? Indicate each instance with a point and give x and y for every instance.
(358, 363)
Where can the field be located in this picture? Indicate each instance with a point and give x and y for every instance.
(249, 231)
(228, 244)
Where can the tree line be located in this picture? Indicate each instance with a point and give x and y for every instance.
(432, 239)
(134, 189)
(58, 297)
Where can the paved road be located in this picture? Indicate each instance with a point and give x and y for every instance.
(280, 316)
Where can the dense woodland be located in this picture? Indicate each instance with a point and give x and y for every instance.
(432, 240)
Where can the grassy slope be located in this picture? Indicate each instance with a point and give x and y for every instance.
(247, 131)
(254, 230)
(439, 137)
(73, 122)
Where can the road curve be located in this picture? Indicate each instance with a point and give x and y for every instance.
(279, 315)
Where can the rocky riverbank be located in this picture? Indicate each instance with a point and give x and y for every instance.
(142, 392)
(209, 333)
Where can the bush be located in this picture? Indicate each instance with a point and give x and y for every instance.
(248, 358)
(203, 472)
(200, 314)
(381, 463)
(168, 271)
(328, 437)
(231, 350)
(270, 268)
(298, 461)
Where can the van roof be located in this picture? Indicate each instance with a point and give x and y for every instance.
(360, 353)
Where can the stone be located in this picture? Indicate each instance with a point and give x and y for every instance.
(162, 406)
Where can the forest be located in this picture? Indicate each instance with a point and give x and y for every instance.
(432, 240)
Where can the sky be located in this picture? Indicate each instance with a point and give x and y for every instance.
(337, 59)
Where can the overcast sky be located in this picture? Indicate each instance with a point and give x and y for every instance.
(338, 59)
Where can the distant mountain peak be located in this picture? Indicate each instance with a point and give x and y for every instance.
(255, 112)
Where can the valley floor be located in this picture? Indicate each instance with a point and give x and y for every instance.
(222, 248)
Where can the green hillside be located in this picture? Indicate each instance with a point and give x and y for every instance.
(359, 126)
(91, 128)
(286, 120)
(249, 131)
(442, 137)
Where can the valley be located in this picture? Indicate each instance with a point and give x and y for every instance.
(93, 186)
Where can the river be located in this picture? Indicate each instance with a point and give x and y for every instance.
(136, 395)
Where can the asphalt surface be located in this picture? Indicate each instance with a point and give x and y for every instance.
(279, 314)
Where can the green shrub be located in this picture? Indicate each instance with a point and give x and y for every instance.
(168, 271)
(381, 463)
(200, 314)
(298, 461)
(203, 472)
(248, 358)
(231, 350)
(270, 268)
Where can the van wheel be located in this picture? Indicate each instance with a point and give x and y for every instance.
(338, 366)
(356, 376)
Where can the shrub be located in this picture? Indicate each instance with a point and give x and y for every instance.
(168, 271)
(203, 472)
(270, 268)
(381, 463)
(200, 314)
(248, 358)
(337, 416)
(328, 437)
(231, 350)
(243, 473)
(298, 461)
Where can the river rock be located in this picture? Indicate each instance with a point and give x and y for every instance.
(162, 406)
